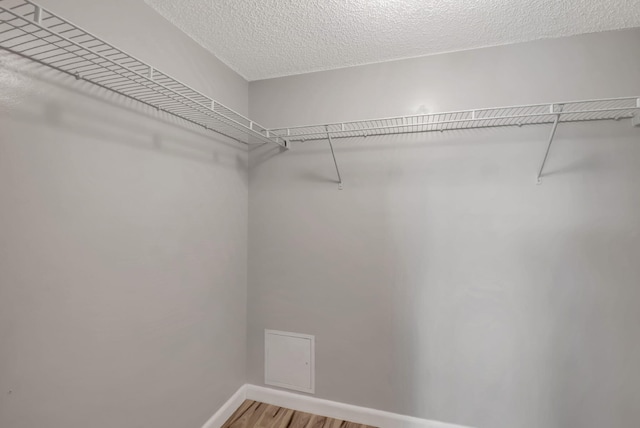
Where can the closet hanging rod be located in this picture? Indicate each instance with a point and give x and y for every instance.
(36, 33)
(573, 111)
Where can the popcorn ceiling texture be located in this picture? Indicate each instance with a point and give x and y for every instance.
(262, 39)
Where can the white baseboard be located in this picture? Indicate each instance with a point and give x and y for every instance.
(227, 409)
(333, 409)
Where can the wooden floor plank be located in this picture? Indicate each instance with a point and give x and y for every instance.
(352, 425)
(274, 417)
(317, 421)
(299, 420)
(245, 418)
(336, 423)
(238, 413)
(253, 414)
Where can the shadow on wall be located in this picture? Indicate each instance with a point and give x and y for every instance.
(125, 121)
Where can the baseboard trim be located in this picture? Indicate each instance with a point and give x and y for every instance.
(227, 409)
(333, 409)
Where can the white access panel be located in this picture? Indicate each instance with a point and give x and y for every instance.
(289, 360)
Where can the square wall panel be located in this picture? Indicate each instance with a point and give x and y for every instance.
(289, 360)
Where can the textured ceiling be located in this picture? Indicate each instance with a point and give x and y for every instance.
(261, 39)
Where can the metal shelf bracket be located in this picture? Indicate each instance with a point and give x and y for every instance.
(333, 154)
(556, 111)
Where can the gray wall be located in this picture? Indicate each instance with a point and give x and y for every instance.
(442, 282)
(123, 241)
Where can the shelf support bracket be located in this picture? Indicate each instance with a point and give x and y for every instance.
(37, 15)
(334, 157)
(553, 133)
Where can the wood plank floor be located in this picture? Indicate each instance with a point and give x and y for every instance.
(253, 414)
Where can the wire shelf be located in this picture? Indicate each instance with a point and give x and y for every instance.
(36, 33)
(572, 111)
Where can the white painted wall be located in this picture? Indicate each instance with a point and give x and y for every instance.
(442, 282)
(123, 240)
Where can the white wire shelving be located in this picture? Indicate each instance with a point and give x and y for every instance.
(36, 33)
(534, 114)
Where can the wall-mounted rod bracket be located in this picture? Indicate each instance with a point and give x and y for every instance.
(334, 158)
(557, 112)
